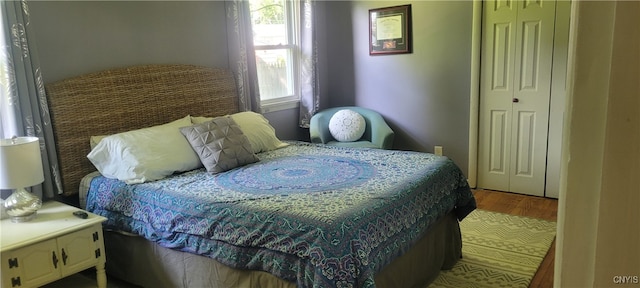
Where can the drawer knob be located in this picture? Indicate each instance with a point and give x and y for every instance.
(55, 260)
(64, 257)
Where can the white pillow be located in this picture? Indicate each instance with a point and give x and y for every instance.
(200, 119)
(347, 125)
(94, 140)
(146, 154)
(261, 134)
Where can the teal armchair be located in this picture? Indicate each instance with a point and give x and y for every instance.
(377, 133)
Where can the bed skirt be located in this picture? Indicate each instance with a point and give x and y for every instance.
(144, 263)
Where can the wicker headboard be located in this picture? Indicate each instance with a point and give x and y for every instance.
(124, 99)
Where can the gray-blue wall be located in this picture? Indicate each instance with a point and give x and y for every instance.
(423, 95)
(76, 37)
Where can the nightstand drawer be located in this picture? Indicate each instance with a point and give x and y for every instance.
(81, 249)
(30, 266)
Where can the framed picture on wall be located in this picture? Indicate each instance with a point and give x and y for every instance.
(390, 30)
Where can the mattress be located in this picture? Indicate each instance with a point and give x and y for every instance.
(316, 215)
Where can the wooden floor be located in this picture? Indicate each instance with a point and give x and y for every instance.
(530, 206)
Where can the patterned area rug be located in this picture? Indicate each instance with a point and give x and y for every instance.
(498, 250)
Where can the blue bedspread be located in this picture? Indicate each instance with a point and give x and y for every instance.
(316, 215)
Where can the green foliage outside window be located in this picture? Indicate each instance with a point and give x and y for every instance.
(267, 11)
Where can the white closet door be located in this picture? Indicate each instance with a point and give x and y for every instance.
(515, 92)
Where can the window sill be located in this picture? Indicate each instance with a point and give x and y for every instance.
(279, 105)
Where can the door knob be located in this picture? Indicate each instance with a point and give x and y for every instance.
(516, 100)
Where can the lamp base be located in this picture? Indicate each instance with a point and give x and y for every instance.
(26, 218)
(22, 206)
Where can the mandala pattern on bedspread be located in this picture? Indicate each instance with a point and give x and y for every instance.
(316, 215)
(298, 173)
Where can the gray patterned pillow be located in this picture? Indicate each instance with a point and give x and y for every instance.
(220, 144)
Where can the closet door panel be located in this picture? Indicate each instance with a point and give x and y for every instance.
(534, 58)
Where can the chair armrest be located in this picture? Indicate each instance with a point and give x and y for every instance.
(381, 134)
(319, 128)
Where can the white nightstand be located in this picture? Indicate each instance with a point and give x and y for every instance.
(54, 245)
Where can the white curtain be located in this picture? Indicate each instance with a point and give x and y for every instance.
(309, 96)
(242, 60)
(23, 103)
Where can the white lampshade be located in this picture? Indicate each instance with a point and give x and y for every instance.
(20, 163)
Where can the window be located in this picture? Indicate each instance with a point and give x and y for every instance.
(275, 38)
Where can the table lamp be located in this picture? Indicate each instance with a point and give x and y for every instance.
(20, 167)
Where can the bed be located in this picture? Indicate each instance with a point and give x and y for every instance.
(299, 215)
